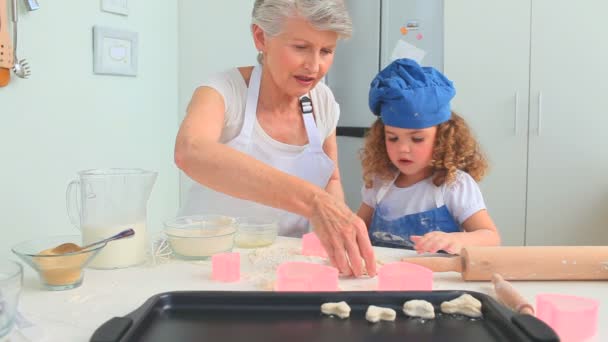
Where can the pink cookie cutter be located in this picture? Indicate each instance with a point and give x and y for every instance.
(306, 277)
(311, 245)
(404, 276)
(573, 318)
(226, 267)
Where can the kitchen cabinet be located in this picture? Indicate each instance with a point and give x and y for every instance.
(531, 79)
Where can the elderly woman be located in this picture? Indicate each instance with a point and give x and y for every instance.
(261, 140)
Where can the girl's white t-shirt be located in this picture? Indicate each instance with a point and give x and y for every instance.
(462, 197)
(231, 85)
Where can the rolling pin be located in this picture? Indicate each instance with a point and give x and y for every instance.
(523, 263)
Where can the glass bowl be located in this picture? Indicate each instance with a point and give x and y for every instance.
(198, 237)
(56, 271)
(11, 280)
(254, 232)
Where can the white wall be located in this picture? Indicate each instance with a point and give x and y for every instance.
(65, 118)
(213, 36)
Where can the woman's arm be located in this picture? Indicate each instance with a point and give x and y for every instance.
(203, 158)
(200, 155)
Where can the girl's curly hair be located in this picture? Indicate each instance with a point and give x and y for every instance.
(455, 148)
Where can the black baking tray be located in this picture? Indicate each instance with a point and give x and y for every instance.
(296, 316)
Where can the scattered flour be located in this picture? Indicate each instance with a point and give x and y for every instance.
(266, 260)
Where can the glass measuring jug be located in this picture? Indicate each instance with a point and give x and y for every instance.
(103, 202)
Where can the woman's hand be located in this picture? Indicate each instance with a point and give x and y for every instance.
(343, 235)
(436, 241)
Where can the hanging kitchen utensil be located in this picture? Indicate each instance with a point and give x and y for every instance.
(6, 50)
(523, 263)
(20, 67)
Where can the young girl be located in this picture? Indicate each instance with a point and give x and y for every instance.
(421, 166)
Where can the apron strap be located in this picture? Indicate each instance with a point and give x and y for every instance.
(312, 131)
(384, 189)
(439, 202)
(253, 92)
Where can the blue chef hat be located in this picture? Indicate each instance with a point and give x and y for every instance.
(406, 95)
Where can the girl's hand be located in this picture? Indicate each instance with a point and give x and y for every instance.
(343, 235)
(436, 241)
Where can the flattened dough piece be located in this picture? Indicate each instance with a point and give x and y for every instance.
(375, 313)
(419, 308)
(466, 305)
(340, 309)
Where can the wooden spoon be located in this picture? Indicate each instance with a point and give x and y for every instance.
(69, 247)
(6, 57)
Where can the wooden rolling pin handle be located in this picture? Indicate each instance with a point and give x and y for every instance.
(509, 296)
(525, 308)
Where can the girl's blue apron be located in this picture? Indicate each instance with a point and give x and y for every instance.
(396, 233)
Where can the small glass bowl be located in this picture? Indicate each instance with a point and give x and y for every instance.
(56, 271)
(198, 237)
(11, 281)
(254, 232)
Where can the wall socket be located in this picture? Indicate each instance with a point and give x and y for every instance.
(115, 6)
(32, 5)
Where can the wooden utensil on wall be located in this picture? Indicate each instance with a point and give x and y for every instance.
(6, 49)
(523, 263)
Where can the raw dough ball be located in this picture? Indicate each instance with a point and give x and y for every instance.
(466, 305)
(375, 313)
(419, 308)
(340, 309)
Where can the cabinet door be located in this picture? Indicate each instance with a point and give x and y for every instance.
(487, 57)
(568, 157)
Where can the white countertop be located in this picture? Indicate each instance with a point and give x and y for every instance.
(73, 315)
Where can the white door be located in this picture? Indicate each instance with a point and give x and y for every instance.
(568, 157)
(487, 57)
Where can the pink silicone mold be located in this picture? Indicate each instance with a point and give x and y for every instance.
(226, 267)
(307, 277)
(311, 245)
(403, 276)
(573, 318)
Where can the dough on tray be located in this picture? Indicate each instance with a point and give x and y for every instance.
(340, 309)
(375, 313)
(419, 308)
(466, 305)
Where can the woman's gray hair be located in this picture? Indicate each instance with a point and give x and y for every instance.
(323, 15)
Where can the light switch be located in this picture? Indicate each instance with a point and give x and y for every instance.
(114, 51)
(115, 6)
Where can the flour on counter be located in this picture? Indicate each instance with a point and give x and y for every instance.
(266, 260)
